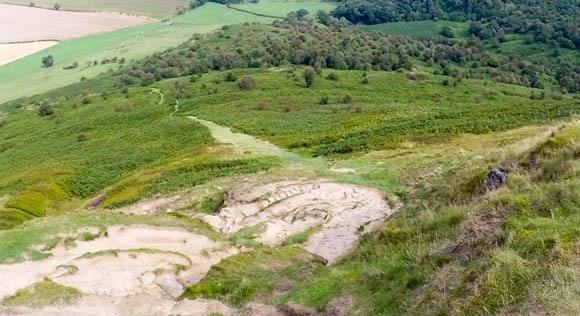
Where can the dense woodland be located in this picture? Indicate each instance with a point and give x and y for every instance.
(299, 41)
(552, 22)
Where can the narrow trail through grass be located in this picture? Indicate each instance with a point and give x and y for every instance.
(246, 143)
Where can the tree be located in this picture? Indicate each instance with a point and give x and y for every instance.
(309, 76)
(447, 32)
(47, 61)
(57, 6)
(247, 83)
(302, 13)
(45, 109)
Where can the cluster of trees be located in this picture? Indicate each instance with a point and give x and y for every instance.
(197, 3)
(303, 43)
(552, 22)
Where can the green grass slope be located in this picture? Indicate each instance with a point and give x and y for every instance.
(26, 77)
(281, 8)
(349, 116)
(154, 8)
(453, 249)
(93, 142)
(426, 29)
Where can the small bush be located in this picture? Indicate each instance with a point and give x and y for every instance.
(324, 100)
(309, 76)
(81, 138)
(333, 76)
(347, 99)
(260, 106)
(86, 99)
(366, 80)
(231, 77)
(45, 109)
(247, 83)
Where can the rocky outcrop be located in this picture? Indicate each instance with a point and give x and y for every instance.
(495, 179)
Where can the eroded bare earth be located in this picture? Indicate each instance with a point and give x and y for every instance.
(133, 260)
(291, 207)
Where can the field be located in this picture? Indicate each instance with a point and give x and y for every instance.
(281, 8)
(25, 24)
(25, 77)
(151, 8)
(426, 29)
(12, 52)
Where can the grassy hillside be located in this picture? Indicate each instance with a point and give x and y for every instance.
(281, 8)
(153, 8)
(427, 29)
(347, 115)
(453, 250)
(25, 77)
(91, 142)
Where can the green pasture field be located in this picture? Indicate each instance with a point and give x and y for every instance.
(26, 77)
(152, 8)
(424, 29)
(281, 8)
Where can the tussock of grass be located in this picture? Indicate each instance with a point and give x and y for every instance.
(43, 293)
(251, 276)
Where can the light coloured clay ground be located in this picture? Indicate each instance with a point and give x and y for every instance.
(291, 207)
(144, 265)
(12, 52)
(23, 24)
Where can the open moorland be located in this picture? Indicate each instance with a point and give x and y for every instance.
(297, 166)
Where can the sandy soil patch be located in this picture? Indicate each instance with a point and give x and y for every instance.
(23, 24)
(144, 264)
(141, 305)
(12, 52)
(291, 207)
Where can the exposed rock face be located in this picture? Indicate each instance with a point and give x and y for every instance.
(291, 207)
(495, 179)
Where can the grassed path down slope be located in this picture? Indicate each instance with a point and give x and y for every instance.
(246, 143)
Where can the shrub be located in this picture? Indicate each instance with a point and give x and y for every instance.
(309, 76)
(324, 100)
(45, 109)
(86, 99)
(260, 106)
(247, 83)
(366, 80)
(347, 99)
(332, 76)
(231, 77)
(447, 32)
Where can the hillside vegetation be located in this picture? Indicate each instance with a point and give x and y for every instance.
(186, 166)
